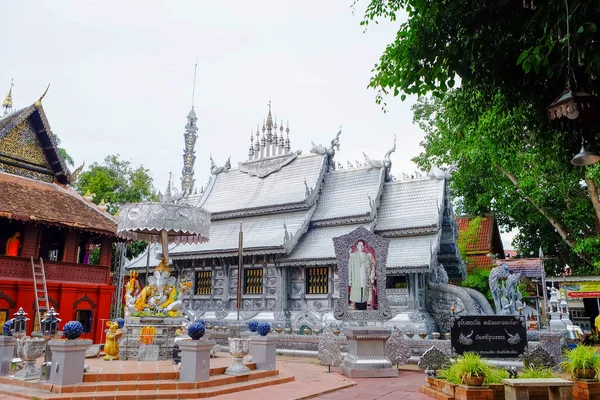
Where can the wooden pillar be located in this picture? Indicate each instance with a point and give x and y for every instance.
(31, 241)
(106, 251)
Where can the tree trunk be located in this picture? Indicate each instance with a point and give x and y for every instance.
(564, 234)
(593, 189)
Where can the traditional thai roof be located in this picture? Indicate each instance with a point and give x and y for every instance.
(411, 207)
(233, 193)
(349, 196)
(34, 200)
(528, 267)
(486, 240)
(316, 246)
(37, 155)
(263, 234)
(413, 253)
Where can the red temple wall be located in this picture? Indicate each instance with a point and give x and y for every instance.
(65, 297)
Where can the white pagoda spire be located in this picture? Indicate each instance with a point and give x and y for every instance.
(189, 154)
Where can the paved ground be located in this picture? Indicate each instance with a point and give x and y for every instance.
(312, 381)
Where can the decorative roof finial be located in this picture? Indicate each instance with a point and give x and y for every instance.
(190, 135)
(8, 102)
(38, 103)
(168, 195)
(287, 140)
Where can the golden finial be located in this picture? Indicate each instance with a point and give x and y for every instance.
(38, 103)
(163, 266)
(8, 102)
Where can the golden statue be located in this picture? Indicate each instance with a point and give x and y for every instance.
(161, 294)
(111, 346)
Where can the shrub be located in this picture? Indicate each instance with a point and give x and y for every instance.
(7, 328)
(252, 325)
(532, 372)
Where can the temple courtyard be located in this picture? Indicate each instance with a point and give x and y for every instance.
(298, 378)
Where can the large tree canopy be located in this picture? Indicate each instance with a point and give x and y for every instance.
(116, 182)
(512, 63)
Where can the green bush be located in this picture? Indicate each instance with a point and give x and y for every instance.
(537, 372)
(471, 364)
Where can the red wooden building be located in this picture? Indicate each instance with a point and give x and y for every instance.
(53, 222)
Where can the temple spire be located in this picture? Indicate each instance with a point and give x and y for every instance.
(189, 154)
(7, 104)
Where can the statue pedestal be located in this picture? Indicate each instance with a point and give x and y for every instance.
(68, 360)
(195, 359)
(366, 354)
(263, 350)
(7, 351)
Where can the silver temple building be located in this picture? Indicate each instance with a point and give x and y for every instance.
(291, 205)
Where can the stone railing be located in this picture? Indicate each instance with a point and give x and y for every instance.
(20, 268)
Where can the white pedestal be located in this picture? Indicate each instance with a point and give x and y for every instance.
(366, 354)
(195, 359)
(7, 351)
(68, 360)
(263, 351)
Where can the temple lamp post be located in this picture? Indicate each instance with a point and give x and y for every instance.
(50, 324)
(20, 324)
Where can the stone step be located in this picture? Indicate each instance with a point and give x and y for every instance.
(434, 393)
(146, 375)
(160, 385)
(24, 393)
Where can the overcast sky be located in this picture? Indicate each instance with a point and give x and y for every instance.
(122, 72)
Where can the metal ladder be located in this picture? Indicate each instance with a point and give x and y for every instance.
(42, 304)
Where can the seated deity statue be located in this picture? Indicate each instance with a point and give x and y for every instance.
(160, 295)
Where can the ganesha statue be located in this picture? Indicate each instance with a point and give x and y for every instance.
(161, 294)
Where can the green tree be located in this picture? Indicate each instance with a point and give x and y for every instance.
(511, 62)
(116, 182)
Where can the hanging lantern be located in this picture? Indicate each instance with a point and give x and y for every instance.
(578, 106)
(50, 324)
(20, 323)
(585, 157)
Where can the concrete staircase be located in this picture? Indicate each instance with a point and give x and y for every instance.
(143, 385)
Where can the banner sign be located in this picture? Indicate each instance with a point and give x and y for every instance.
(492, 336)
(582, 290)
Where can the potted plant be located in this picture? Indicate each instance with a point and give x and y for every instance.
(582, 362)
(471, 369)
(196, 330)
(72, 330)
(263, 328)
(252, 325)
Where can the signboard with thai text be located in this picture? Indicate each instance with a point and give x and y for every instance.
(582, 290)
(491, 336)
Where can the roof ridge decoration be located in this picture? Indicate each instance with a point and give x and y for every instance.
(385, 163)
(329, 151)
(8, 102)
(217, 170)
(442, 173)
(270, 152)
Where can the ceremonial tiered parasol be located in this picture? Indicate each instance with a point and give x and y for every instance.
(170, 220)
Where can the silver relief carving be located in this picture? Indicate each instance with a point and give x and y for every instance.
(329, 350)
(434, 359)
(397, 349)
(266, 166)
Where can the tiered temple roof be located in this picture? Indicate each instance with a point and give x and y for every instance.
(292, 205)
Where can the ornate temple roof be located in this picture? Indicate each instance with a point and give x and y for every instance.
(235, 193)
(349, 196)
(263, 234)
(292, 206)
(35, 132)
(413, 206)
(33, 200)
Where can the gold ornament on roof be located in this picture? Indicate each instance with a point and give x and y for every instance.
(38, 103)
(8, 102)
